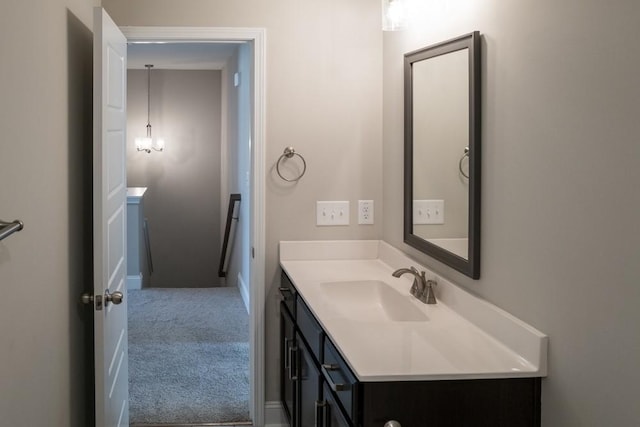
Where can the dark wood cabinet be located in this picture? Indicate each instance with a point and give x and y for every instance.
(310, 387)
(318, 389)
(509, 402)
(332, 415)
(287, 356)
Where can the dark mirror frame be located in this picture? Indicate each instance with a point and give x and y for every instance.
(471, 265)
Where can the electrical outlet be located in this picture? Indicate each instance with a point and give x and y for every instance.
(428, 211)
(332, 213)
(365, 211)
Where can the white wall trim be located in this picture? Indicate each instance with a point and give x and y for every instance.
(134, 282)
(258, 226)
(257, 36)
(244, 292)
(274, 415)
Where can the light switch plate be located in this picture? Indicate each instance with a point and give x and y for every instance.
(332, 213)
(428, 211)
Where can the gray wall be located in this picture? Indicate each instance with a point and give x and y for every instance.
(560, 239)
(182, 202)
(324, 97)
(45, 180)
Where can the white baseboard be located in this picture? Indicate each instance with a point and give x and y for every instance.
(274, 415)
(134, 282)
(244, 292)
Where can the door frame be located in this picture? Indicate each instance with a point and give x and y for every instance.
(257, 36)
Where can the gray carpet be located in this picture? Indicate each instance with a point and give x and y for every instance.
(188, 356)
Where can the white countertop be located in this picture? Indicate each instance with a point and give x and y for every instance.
(464, 337)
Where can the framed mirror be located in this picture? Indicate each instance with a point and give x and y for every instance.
(442, 152)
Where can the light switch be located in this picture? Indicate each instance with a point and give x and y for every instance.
(428, 211)
(332, 213)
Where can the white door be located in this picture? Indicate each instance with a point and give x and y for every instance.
(109, 222)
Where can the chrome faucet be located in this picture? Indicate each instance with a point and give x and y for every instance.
(422, 288)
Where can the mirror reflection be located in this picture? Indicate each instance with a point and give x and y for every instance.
(440, 188)
(442, 152)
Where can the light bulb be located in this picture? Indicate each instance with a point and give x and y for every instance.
(144, 144)
(159, 144)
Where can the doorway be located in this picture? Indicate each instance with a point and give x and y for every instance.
(252, 273)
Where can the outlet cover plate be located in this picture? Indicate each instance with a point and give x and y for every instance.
(365, 211)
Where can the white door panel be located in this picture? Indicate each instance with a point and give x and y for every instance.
(109, 222)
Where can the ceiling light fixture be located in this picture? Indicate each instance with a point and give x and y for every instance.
(394, 15)
(147, 143)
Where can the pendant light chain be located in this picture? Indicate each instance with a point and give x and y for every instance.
(147, 144)
(148, 100)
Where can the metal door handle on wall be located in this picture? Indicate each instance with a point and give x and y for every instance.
(8, 228)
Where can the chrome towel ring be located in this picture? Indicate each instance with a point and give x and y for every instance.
(289, 152)
(466, 154)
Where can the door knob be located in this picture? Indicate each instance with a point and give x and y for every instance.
(86, 298)
(115, 297)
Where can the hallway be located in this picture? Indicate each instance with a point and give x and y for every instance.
(188, 356)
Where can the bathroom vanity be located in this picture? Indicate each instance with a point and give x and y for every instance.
(358, 350)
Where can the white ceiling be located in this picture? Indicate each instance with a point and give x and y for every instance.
(180, 56)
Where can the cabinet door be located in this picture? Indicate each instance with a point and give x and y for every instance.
(332, 414)
(309, 387)
(341, 380)
(287, 363)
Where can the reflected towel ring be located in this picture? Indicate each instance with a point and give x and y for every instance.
(289, 152)
(466, 154)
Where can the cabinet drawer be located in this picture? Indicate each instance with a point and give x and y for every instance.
(340, 379)
(309, 328)
(288, 292)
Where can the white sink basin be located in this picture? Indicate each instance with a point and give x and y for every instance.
(370, 301)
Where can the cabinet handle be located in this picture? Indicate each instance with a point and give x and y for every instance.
(319, 406)
(326, 414)
(287, 359)
(284, 289)
(292, 351)
(335, 387)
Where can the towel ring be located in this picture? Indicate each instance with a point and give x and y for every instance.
(466, 154)
(289, 152)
